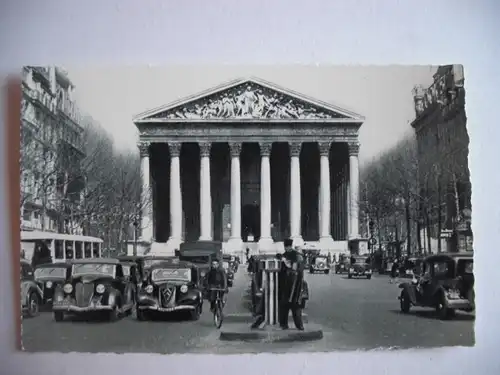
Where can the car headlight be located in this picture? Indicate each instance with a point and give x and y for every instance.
(203, 274)
(49, 284)
(149, 289)
(351, 269)
(184, 289)
(68, 288)
(100, 289)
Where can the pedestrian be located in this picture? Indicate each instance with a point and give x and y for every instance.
(291, 276)
(394, 270)
(260, 306)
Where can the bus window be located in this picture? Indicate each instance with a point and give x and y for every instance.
(58, 249)
(96, 250)
(78, 250)
(88, 249)
(69, 249)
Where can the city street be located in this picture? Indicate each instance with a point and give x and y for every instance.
(354, 314)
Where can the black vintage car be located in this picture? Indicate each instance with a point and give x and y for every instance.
(49, 276)
(446, 283)
(31, 294)
(342, 265)
(319, 263)
(95, 285)
(171, 287)
(360, 267)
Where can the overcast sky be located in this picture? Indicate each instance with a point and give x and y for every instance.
(113, 95)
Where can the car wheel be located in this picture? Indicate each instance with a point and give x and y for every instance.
(327, 272)
(442, 311)
(349, 276)
(58, 316)
(33, 304)
(368, 277)
(195, 314)
(404, 302)
(140, 315)
(114, 314)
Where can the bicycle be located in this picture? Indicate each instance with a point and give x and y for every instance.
(218, 306)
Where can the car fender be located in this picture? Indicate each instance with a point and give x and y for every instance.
(27, 288)
(410, 290)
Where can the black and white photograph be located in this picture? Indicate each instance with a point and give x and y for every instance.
(245, 209)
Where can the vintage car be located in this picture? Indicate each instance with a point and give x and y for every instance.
(95, 285)
(445, 284)
(320, 263)
(229, 268)
(31, 294)
(342, 265)
(171, 287)
(49, 276)
(256, 284)
(360, 267)
(201, 254)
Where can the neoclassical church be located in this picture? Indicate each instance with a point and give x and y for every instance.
(250, 163)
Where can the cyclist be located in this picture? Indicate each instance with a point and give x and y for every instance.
(216, 279)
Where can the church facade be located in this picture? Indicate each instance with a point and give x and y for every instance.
(250, 163)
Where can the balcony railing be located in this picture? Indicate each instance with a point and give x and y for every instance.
(445, 91)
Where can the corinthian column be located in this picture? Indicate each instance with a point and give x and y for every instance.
(353, 190)
(146, 201)
(175, 196)
(295, 194)
(326, 239)
(205, 194)
(266, 242)
(235, 243)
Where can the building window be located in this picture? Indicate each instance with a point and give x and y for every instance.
(26, 215)
(59, 249)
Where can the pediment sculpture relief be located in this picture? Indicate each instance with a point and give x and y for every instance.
(248, 101)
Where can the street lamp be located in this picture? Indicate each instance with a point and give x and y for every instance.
(136, 225)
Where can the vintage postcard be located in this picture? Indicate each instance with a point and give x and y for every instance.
(245, 209)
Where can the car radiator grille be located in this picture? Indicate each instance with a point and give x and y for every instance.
(167, 296)
(83, 294)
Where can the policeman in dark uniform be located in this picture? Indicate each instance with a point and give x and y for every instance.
(291, 277)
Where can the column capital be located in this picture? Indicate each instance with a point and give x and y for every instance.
(175, 148)
(324, 148)
(353, 149)
(265, 148)
(205, 149)
(235, 149)
(295, 148)
(143, 148)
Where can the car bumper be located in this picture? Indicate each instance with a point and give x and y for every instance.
(365, 273)
(73, 308)
(319, 269)
(166, 309)
(459, 304)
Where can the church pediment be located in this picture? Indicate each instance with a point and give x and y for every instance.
(247, 100)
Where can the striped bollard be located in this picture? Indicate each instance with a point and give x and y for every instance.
(270, 281)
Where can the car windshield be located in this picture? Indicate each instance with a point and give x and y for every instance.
(442, 269)
(174, 274)
(202, 259)
(466, 266)
(320, 260)
(93, 269)
(58, 272)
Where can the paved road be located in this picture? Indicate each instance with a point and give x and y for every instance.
(355, 314)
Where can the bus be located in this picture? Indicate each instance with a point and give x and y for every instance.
(62, 247)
